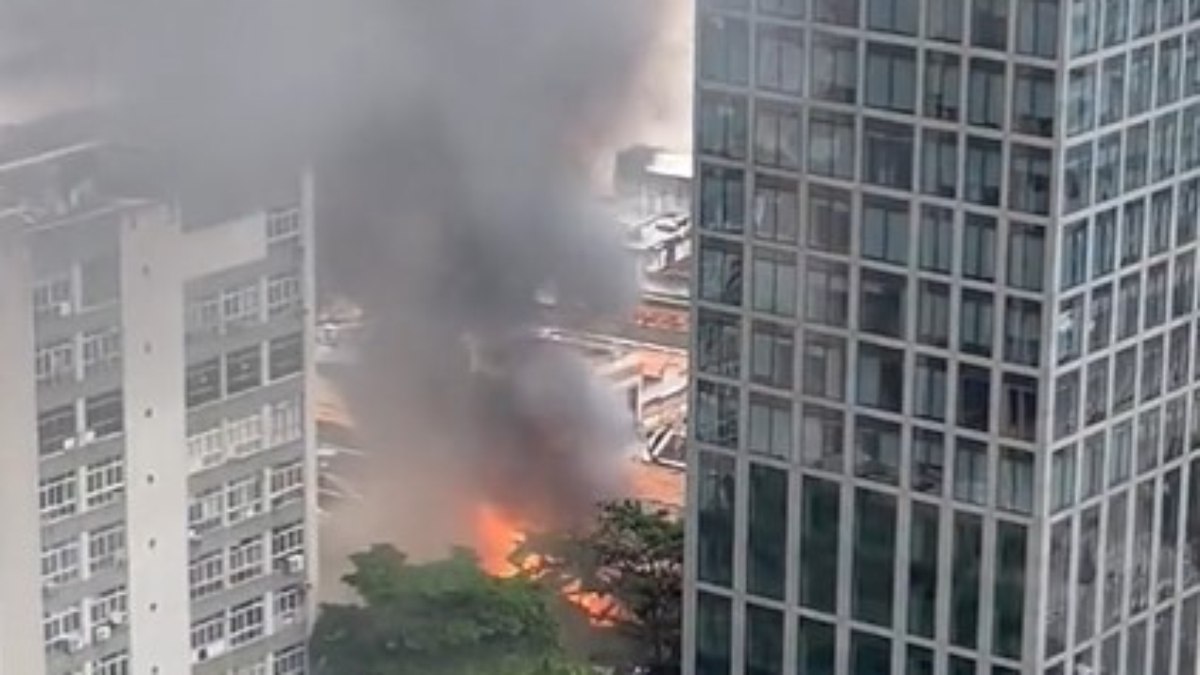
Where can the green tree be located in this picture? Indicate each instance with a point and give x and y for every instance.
(632, 556)
(445, 617)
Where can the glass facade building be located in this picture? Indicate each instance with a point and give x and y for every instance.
(946, 412)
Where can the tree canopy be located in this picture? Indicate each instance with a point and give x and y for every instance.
(445, 617)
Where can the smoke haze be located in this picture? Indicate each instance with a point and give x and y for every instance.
(453, 140)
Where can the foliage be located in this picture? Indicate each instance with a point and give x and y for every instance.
(632, 556)
(445, 617)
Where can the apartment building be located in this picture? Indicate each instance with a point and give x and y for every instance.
(158, 480)
(946, 338)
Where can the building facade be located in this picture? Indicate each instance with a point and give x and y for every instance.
(946, 338)
(165, 454)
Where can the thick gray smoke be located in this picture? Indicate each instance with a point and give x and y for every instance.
(452, 140)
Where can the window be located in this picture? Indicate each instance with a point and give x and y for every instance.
(283, 223)
(1155, 307)
(723, 125)
(828, 219)
(1188, 213)
(106, 548)
(822, 438)
(99, 281)
(289, 661)
(1141, 79)
(943, 86)
(1008, 628)
(720, 271)
(766, 531)
(206, 510)
(987, 93)
(894, 16)
(246, 622)
(246, 560)
(874, 560)
(880, 377)
(1020, 400)
(1125, 379)
(108, 603)
(939, 163)
(714, 630)
(105, 482)
(284, 294)
(722, 199)
(1189, 152)
(928, 461)
(944, 20)
(1022, 331)
(56, 628)
(1062, 478)
(831, 144)
(1077, 179)
(1152, 368)
(929, 388)
(780, 63)
(1033, 101)
(288, 604)
(286, 541)
(244, 435)
(287, 483)
(203, 382)
(877, 450)
(1066, 405)
(869, 654)
(1081, 99)
(989, 23)
(1037, 28)
(834, 73)
(882, 305)
(1026, 256)
(724, 50)
(888, 154)
(983, 171)
(56, 430)
(976, 322)
(778, 130)
(974, 397)
(774, 279)
(101, 349)
(206, 448)
(286, 356)
(1029, 180)
(937, 239)
(55, 362)
(112, 664)
(54, 297)
(827, 292)
(770, 425)
(1075, 251)
(240, 306)
(966, 553)
(243, 498)
(715, 518)
(772, 354)
(206, 633)
(1112, 90)
(979, 247)
(1170, 67)
(820, 522)
(923, 572)
(1096, 404)
(824, 366)
(1166, 137)
(970, 471)
(58, 497)
(104, 414)
(203, 316)
(287, 421)
(1108, 167)
(933, 314)
(1137, 156)
(1014, 484)
(717, 413)
(1104, 243)
(1069, 327)
(1191, 62)
(60, 563)
(840, 12)
(891, 77)
(718, 343)
(776, 209)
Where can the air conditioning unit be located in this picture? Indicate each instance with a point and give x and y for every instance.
(294, 564)
(69, 444)
(193, 536)
(117, 618)
(88, 436)
(102, 633)
(71, 642)
(63, 309)
(288, 617)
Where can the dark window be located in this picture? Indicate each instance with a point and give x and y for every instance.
(928, 461)
(1037, 28)
(1022, 331)
(819, 527)
(723, 125)
(778, 131)
(929, 388)
(880, 377)
(716, 503)
(104, 414)
(764, 641)
(874, 557)
(986, 94)
(976, 325)
(55, 427)
(724, 50)
(933, 314)
(772, 354)
(718, 343)
(1026, 256)
(839, 12)
(989, 23)
(964, 580)
(1014, 481)
(888, 154)
(1029, 180)
(286, 356)
(882, 306)
(722, 199)
(203, 382)
(767, 531)
(943, 85)
(983, 170)
(817, 650)
(944, 20)
(979, 247)
(1008, 620)
(720, 271)
(877, 450)
(827, 292)
(717, 413)
(894, 16)
(828, 219)
(776, 209)
(1019, 398)
(831, 144)
(869, 654)
(974, 396)
(939, 163)
(891, 77)
(923, 570)
(243, 369)
(834, 72)
(714, 626)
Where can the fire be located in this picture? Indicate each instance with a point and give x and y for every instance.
(498, 534)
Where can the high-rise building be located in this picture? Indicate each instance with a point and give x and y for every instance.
(156, 486)
(945, 417)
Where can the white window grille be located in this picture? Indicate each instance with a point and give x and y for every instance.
(60, 563)
(246, 622)
(283, 224)
(203, 316)
(207, 634)
(244, 499)
(286, 541)
(240, 306)
(206, 449)
(104, 608)
(58, 629)
(101, 350)
(289, 661)
(113, 664)
(287, 420)
(283, 294)
(58, 497)
(289, 604)
(245, 560)
(287, 483)
(106, 547)
(244, 436)
(206, 510)
(206, 575)
(55, 362)
(105, 482)
(54, 297)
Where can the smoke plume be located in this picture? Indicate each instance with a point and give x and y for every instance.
(452, 140)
